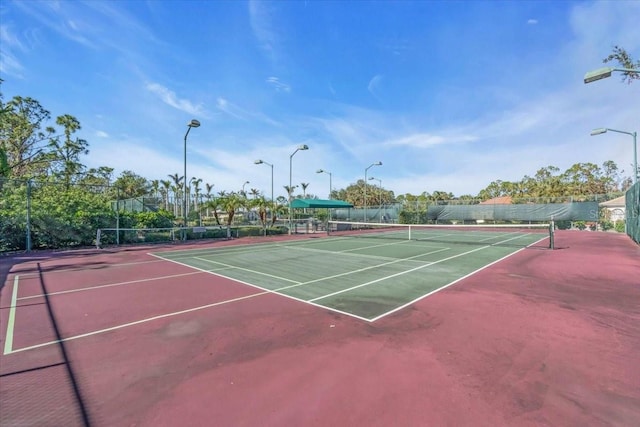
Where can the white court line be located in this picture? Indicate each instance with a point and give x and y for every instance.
(137, 322)
(66, 270)
(367, 256)
(398, 274)
(443, 287)
(8, 339)
(234, 267)
(346, 273)
(9, 350)
(91, 288)
(239, 248)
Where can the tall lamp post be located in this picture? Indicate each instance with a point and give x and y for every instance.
(365, 186)
(245, 183)
(330, 185)
(300, 147)
(380, 192)
(635, 146)
(259, 162)
(603, 73)
(192, 124)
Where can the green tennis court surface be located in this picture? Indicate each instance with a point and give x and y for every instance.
(364, 278)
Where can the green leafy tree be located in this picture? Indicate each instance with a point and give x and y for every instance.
(621, 56)
(23, 137)
(131, 185)
(66, 154)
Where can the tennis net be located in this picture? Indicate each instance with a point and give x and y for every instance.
(521, 235)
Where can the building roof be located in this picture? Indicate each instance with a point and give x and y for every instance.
(319, 203)
(504, 200)
(618, 202)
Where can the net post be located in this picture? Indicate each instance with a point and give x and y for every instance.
(98, 238)
(551, 234)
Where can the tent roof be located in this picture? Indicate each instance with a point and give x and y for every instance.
(319, 203)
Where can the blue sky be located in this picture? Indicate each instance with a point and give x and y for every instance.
(450, 96)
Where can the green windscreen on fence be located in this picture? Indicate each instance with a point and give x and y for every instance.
(632, 212)
(579, 211)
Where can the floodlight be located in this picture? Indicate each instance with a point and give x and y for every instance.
(599, 74)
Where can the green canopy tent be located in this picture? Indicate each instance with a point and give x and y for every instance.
(319, 203)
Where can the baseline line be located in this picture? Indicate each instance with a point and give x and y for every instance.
(8, 339)
(91, 288)
(66, 270)
(138, 322)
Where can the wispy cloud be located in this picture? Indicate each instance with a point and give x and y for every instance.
(9, 63)
(426, 140)
(532, 21)
(102, 134)
(261, 20)
(231, 109)
(227, 107)
(61, 18)
(374, 85)
(169, 97)
(278, 85)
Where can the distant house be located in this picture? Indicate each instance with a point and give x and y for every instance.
(615, 208)
(504, 200)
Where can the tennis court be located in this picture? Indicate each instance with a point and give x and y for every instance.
(287, 330)
(366, 272)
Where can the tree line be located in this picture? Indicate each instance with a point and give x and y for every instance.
(44, 183)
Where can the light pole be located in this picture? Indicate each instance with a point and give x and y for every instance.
(380, 193)
(192, 124)
(635, 147)
(330, 186)
(245, 183)
(259, 162)
(365, 187)
(603, 73)
(300, 147)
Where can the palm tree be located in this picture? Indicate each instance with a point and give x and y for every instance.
(289, 190)
(166, 186)
(230, 204)
(262, 205)
(196, 190)
(304, 186)
(254, 192)
(280, 207)
(176, 188)
(208, 188)
(155, 187)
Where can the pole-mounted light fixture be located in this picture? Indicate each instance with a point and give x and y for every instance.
(260, 162)
(192, 124)
(330, 185)
(603, 73)
(365, 187)
(300, 148)
(600, 131)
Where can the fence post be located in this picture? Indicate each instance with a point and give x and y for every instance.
(28, 243)
(118, 216)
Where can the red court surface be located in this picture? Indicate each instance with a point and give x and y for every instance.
(543, 338)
